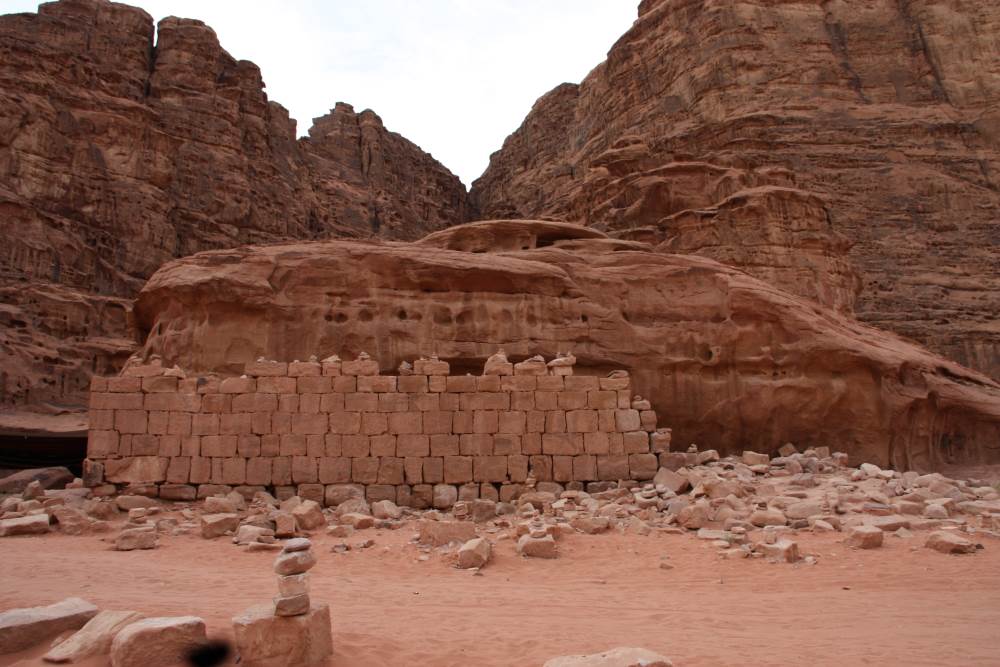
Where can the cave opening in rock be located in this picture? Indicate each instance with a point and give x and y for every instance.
(20, 452)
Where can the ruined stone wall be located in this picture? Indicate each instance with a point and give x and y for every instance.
(313, 428)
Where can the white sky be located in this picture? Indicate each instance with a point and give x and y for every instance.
(453, 76)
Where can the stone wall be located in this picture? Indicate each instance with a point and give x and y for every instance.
(326, 429)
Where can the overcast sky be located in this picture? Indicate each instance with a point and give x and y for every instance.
(454, 76)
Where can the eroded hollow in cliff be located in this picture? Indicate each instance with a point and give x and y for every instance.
(20, 452)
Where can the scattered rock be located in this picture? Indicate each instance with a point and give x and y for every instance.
(537, 547)
(437, 533)
(865, 537)
(157, 642)
(947, 542)
(23, 628)
(136, 538)
(217, 525)
(94, 638)
(33, 524)
(474, 553)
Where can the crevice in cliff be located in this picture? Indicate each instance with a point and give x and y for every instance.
(838, 45)
(920, 46)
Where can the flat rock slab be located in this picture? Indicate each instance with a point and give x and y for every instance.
(34, 524)
(622, 656)
(47, 478)
(266, 640)
(157, 642)
(23, 628)
(94, 638)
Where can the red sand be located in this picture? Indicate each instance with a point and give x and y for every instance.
(901, 604)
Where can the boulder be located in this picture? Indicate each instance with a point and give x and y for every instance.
(591, 525)
(783, 549)
(768, 517)
(71, 521)
(47, 478)
(537, 547)
(437, 533)
(157, 642)
(755, 459)
(671, 480)
(474, 553)
(386, 509)
(865, 537)
(94, 638)
(136, 538)
(947, 542)
(23, 628)
(216, 525)
(618, 657)
(33, 524)
(309, 515)
(266, 640)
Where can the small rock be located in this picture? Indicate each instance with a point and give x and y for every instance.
(947, 542)
(537, 547)
(33, 524)
(622, 656)
(294, 605)
(296, 562)
(216, 525)
(865, 537)
(136, 538)
(386, 509)
(474, 553)
(297, 544)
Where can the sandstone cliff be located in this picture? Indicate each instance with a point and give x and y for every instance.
(122, 148)
(845, 151)
(727, 360)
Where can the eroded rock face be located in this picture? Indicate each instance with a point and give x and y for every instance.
(844, 153)
(116, 156)
(727, 361)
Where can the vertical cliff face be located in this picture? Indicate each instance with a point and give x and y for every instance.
(846, 152)
(122, 147)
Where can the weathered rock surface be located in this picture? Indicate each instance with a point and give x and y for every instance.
(622, 656)
(94, 638)
(118, 154)
(266, 640)
(157, 642)
(726, 360)
(845, 153)
(48, 478)
(33, 524)
(22, 628)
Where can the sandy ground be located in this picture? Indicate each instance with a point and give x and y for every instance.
(901, 604)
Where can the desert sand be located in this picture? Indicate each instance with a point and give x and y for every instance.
(901, 604)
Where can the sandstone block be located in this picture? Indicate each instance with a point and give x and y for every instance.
(94, 638)
(947, 542)
(612, 468)
(474, 553)
(537, 547)
(216, 525)
(266, 640)
(25, 627)
(265, 368)
(443, 496)
(309, 515)
(136, 470)
(157, 642)
(294, 562)
(865, 537)
(136, 538)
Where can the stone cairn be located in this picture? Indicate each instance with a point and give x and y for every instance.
(292, 567)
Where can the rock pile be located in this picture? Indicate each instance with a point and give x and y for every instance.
(292, 567)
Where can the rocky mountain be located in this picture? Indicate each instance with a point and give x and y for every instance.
(727, 360)
(123, 146)
(846, 151)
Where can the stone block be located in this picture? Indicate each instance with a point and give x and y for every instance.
(572, 400)
(489, 469)
(562, 443)
(581, 421)
(504, 444)
(297, 369)
(461, 384)
(636, 442)
(439, 533)
(345, 422)
(360, 367)
(642, 466)
(265, 368)
(356, 446)
(390, 470)
(627, 420)
(25, 627)
(613, 468)
(331, 403)
(457, 469)
(364, 470)
(314, 385)
(157, 642)
(277, 385)
(405, 422)
(136, 470)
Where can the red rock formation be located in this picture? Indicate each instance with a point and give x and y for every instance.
(798, 141)
(728, 361)
(118, 154)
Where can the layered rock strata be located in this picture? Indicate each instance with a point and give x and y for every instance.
(121, 148)
(727, 361)
(845, 153)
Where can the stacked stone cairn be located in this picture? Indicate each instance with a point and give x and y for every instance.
(292, 567)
